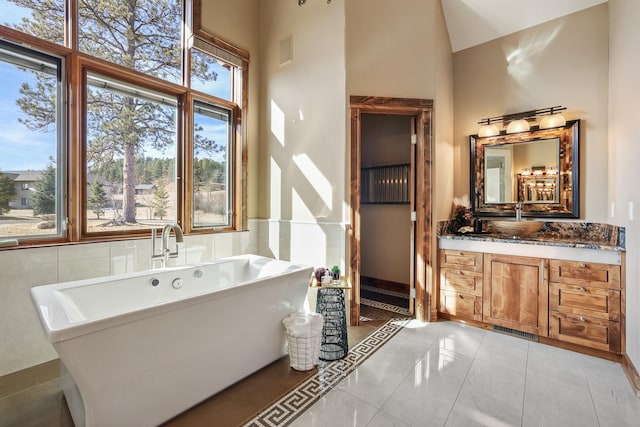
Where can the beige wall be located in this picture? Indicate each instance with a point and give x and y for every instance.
(303, 155)
(237, 23)
(624, 150)
(562, 62)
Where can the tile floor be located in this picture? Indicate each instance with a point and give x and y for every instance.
(436, 374)
(450, 374)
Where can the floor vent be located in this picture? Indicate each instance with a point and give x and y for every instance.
(514, 333)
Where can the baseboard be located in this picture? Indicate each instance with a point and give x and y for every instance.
(27, 378)
(632, 374)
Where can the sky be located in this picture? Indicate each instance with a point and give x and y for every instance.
(22, 149)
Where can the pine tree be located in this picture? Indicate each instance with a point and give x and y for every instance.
(44, 200)
(7, 193)
(98, 198)
(160, 202)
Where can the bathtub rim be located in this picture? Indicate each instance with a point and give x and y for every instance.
(44, 296)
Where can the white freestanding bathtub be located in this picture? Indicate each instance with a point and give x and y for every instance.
(140, 348)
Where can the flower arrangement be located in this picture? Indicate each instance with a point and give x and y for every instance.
(461, 215)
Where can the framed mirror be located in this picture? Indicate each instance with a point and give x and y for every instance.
(539, 169)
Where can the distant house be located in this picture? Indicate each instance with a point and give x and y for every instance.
(142, 189)
(25, 185)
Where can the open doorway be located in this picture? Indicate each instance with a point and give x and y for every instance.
(387, 183)
(386, 249)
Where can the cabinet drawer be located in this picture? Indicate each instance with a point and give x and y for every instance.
(469, 282)
(584, 330)
(585, 273)
(464, 306)
(585, 301)
(461, 260)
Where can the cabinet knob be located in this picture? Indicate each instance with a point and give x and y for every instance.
(581, 289)
(460, 296)
(582, 318)
(460, 253)
(582, 265)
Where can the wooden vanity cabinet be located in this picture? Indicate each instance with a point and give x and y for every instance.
(584, 304)
(461, 284)
(516, 293)
(570, 301)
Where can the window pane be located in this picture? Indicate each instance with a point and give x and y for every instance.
(211, 179)
(30, 143)
(43, 19)
(210, 75)
(131, 152)
(144, 35)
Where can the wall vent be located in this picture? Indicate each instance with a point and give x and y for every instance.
(515, 333)
(286, 51)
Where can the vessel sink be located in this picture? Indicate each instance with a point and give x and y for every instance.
(516, 228)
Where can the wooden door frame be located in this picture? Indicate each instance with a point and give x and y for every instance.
(422, 111)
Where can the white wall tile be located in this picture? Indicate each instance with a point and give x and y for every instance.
(22, 343)
(129, 256)
(85, 261)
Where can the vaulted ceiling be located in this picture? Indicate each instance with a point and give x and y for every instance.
(472, 22)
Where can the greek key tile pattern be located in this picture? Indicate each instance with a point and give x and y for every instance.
(384, 306)
(329, 374)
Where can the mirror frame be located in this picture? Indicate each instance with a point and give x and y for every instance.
(568, 170)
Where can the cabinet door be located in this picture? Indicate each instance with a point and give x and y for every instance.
(516, 293)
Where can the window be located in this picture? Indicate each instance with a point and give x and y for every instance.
(210, 75)
(210, 190)
(31, 144)
(45, 20)
(131, 149)
(142, 140)
(141, 35)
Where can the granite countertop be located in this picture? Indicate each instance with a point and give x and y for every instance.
(564, 234)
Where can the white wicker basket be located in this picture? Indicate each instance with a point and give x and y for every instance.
(304, 351)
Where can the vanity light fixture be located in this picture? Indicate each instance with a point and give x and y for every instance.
(521, 122)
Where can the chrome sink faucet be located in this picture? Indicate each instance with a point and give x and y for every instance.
(165, 253)
(518, 211)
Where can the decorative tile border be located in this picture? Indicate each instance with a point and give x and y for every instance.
(385, 306)
(329, 374)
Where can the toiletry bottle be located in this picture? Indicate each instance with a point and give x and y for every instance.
(477, 225)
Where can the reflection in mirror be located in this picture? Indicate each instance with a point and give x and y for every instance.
(522, 172)
(539, 169)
